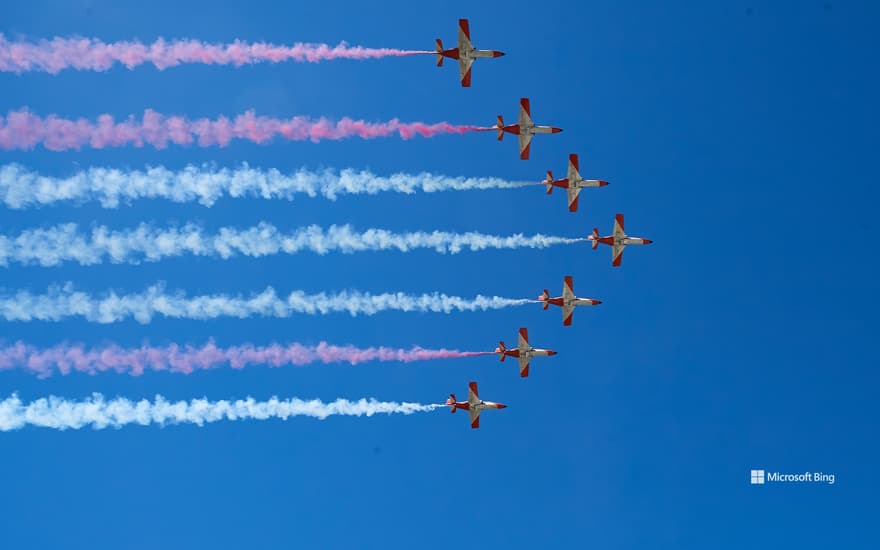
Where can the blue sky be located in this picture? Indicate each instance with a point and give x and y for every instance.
(739, 136)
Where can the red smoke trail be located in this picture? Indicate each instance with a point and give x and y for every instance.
(23, 130)
(186, 359)
(53, 56)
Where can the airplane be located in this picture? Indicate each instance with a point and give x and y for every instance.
(524, 352)
(573, 183)
(568, 301)
(617, 241)
(474, 405)
(525, 130)
(465, 53)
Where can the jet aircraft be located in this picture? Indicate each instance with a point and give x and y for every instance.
(474, 405)
(573, 182)
(525, 129)
(568, 301)
(618, 241)
(523, 352)
(465, 53)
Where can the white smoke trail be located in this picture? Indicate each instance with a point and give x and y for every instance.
(65, 302)
(23, 188)
(61, 243)
(62, 414)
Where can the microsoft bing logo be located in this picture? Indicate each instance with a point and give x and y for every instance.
(761, 477)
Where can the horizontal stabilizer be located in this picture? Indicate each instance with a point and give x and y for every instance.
(439, 52)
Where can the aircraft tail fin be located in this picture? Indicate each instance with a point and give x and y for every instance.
(439, 52)
(501, 349)
(549, 182)
(451, 403)
(595, 238)
(500, 126)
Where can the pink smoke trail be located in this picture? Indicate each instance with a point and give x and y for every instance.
(23, 130)
(187, 359)
(53, 56)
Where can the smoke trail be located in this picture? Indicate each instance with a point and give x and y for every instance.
(61, 243)
(187, 359)
(22, 188)
(62, 414)
(89, 54)
(65, 302)
(23, 130)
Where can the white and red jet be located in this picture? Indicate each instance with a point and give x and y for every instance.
(568, 301)
(474, 405)
(524, 352)
(465, 53)
(573, 183)
(525, 130)
(618, 241)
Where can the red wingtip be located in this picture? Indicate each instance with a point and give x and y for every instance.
(556, 130)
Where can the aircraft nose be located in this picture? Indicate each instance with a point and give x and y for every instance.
(556, 130)
(551, 352)
(502, 406)
(602, 183)
(597, 302)
(496, 53)
(647, 241)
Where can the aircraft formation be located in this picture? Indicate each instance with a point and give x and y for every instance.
(158, 132)
(525, 129)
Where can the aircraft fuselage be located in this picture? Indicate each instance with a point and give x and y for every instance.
(529, 353)
(532, 129)
(481, 406)
(466, 54)
(611, 241)
(561, 302)
(564, 183)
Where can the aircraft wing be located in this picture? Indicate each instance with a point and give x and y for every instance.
(573, 193)
(525, 141)
(567, 310)
(464, 69)
(618, 227)
(616, 254)
(473, 396)
(574, 173)
(567, 294)
(523, 366)
(473, 400)
(568, 288)
(464, 35)
(525, 113)
(523, 343)
(475, 417)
